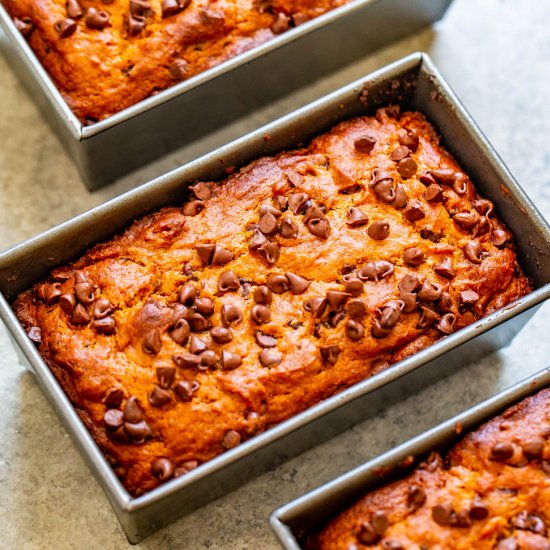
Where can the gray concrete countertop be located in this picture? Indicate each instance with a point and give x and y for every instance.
(496, 55)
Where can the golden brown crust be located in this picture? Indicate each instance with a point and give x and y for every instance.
(102, 71)
(140, 275)
(472, 498)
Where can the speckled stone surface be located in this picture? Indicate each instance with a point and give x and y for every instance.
(495, 55)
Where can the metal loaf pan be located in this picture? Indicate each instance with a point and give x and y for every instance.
(412, 82)
(121, 143)
(293, 523)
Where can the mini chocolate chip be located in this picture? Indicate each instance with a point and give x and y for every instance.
(151, 342)
(268, 224)
(320, 227)
(441, 514)
(428, 318)
(413, 256)
(228, 281)
(288, 229)
(265, 340)
(501, 452)
(80, 316)
(468, 297)
(113, 398)
(221, 256)
(106, 325)
(474, 252)
(478, 510)
(185, 389)
(367, 535)
(375, 271)
(466, 220)
(364, 144)
(231, 439)
(430, 291)
(337, 299)
(400, 153)
(445, 269)
(113, 419)
(330, 353)
(354, 330)
(186, 360)
(409, 301)
(231, 315)
(199, 323)
(379, 230)
(354, 287)
(416, 497)
(159, 397)
(356, 309)
(132, 411)
(297, 202)
(401, 198)
(201, 190)
(65, 27)
(499, 237)
(102, 308)
(356, 217)
(409, 283)
(24, 25)
(162, 469)
(178, 69)
(414, 211)
(260, 314)
(209, 358)
(230, 360)
(278, 283)
(443, 175)
(460, 183)
(316, 305)
(192, 207)
(204, 306)
(180, 332)
(270, 357)
(297, 284)
(434, 193)
(84, 293)
(533, 448)
(407, 167)
(97, 19)
(446, 323)
(221, 335)
(295, 179)
(409, 138)
(262, 295)
(165, 376)
(205, 252)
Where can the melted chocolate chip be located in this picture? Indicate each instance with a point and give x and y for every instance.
(413, 256)
(204, 306)
(401, 198)
(52, 293)
(84, 292)
(409, 301)
(159, 397)
(162, 469)
(262, 295)
(356, 217)
(297, 284)
(465, 220)
(364, 144)
(228, 281)
(430, 291)
(186, 360)
(265, 340)
(221, 256)
(379, 230)
(460, 183)
(185, 389)
(209, 359)
(409, 283)
(354, 287)
(354, 330)
(97, 19)
(443, 175)
(484, 206)
(102, 308)
(278, 283)
(499, 237)
(474, 252)
(330, 353)
(188, 294)
(446, 323)
(270, 357)
(230, 360)
(221, 335)
(414, 211)
(151, 342)
(65, 27)
(260, 314)
(231, 315)
(428, 318)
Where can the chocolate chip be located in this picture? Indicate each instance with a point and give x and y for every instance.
(221, 256)
(478, 510)
(297, 284)
(231, 315)
(97, 19)
(113, 398)
(390, 313)
(431, 235)
(84, 293)
(413, 256)
(445, 269)
(379, 230)
(199, 323)
(24, 25)
(384, 190)
(186, 467)
(140, 8)
(400, 153)
(367, 535)
(474, 252)
(260, 314)
(401, 198)
(334, 317)
(354, 330)
(270, 252)
(316, 305)
(443, 175)
(262, 295)
(356, 217)
(434, 193)
(201, 190)
(159, 397)
(102, 308)
(178, 69)
(446, 324)
(230, 360)
(501, 452)
(278, 283)
(294, 178)
(409, 283)
(265, 340)
(209, 359)
(409, 138)
(186, 360)
(106, 325)
(188, 294)
(288, 229)
(499, 237)
(320, 227)
(221, 335)
(281, 23)
(409, 302)
(151, 343)
(65, 27)
(192, 207)
(375, 271)
(428, 318)
(228, 281)
(430, 291)
(297, 202)
(185, 389)
(441, 514)
(132, 411)
(179, 311)
(356, 309)
(80, 316)
(460, 183)
(180, 332)
(416, 497)
(139, 432)
(337, 299)
(508, 543)
(268, 224)
(258, 240)
(414, 211)
(364, 144)
(205, 252)
(330, 353)
(231, 439)
(170, 7)
(269, 209)
(354, 287)
(484, 206)
(466, 220)
(113, 419)
(204, 306)
(270, 357)
(162, 469)
(533, 448)
(165, 376)
(468, 297)
(407, 167)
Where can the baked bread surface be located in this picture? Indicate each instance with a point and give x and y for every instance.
(296, 277)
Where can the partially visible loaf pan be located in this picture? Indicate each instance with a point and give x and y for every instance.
(106, 56)
(296, 277)
(490, 491)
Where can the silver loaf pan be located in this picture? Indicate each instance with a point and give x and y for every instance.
(121, 143)
(303, 517)
(412, 82)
